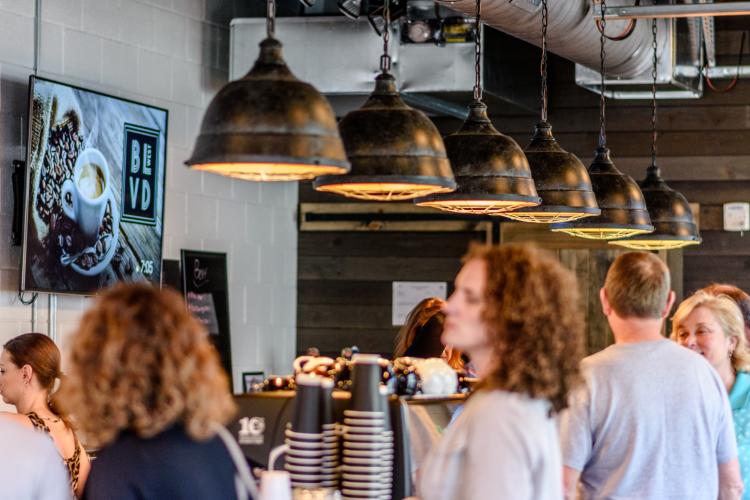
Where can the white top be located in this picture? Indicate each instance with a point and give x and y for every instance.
(503, 445)
(30, 466)
(652, 421)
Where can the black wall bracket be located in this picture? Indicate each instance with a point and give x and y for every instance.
(19, 180)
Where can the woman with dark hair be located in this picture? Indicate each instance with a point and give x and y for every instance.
(29, 372)
(419, 337)
(515, 313)
(148, 388)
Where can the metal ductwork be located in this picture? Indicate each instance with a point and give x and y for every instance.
(571, 32)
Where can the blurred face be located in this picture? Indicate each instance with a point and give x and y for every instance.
(11, 379)
(702, 332)
(464, 327)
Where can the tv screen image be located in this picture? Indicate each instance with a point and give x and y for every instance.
(95, 171)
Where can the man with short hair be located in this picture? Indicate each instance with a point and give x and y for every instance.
(31, 467)
(653, 419)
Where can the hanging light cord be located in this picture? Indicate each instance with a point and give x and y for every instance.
(653, 92)
(736, 78)
(270, 18)
(385, 59)
(478, 53)
(543, 68)
(602, 54)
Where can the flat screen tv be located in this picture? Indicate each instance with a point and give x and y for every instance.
(94, 196)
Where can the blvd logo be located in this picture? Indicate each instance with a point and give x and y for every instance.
(140, 171)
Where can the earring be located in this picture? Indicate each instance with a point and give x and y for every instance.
(731, 353)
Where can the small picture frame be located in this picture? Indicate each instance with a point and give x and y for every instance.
(251, 378)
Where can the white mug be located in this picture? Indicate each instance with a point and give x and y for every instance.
(275, 485)
(88, 189)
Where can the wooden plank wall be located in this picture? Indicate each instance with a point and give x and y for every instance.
(704, 151)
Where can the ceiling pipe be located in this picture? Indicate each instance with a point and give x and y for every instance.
(571, 33)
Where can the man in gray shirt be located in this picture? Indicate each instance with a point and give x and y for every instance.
(30, 466)
(653, 419)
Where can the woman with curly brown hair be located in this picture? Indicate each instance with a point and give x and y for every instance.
(515, 313)
(147, 387)
(29, 373)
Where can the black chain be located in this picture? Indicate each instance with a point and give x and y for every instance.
(602, 105)
(543, 69)
(385, 59)
(478, 53)
(653, 93)
(271, 18)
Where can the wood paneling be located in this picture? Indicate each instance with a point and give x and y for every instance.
(344, 288)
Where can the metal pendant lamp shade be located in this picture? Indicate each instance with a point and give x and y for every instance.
(269, 126)
(396, 152)
(674, 225)
(491, 170)
(561, 180)
(623, 207)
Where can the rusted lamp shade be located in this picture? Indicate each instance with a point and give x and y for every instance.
(623, 208)
(491, 171)
(395, 150)
(269, 126)
(674, 225)
(561, 180)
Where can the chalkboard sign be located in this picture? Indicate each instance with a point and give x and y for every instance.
(204, 284)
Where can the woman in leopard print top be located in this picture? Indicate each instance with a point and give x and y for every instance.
(29, 370)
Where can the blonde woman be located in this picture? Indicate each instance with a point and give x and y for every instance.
(713, 327)
(147, 387)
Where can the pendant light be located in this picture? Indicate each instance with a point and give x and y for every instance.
(560, 178)
(269, 126)
(618, 196)
(669, 210)
(491, 171)
(395, 150)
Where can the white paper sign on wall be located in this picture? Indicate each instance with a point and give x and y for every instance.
(736, 217)
(407, 294)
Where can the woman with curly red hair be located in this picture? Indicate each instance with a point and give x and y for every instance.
(515, 313)
(145, 385)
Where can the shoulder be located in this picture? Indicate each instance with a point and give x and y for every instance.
(493, 406)
(17, 418)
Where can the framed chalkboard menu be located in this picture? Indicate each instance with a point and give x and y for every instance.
(204, 284)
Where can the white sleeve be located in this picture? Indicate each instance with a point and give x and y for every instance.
(52, 482)
(576, 440)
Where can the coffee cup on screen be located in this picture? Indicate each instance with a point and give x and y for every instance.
(88, 189)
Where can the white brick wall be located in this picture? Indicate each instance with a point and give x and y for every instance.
(167, 53)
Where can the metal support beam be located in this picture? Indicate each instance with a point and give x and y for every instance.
(673, 11)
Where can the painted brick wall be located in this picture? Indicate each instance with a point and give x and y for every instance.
(173, 54)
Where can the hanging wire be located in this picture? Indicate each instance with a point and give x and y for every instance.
(653, 91)
(478, 53)
(736, 78)
(270, 18)
(26, 302)
(625, 33)
(602, 54)
(543, 68)
(385, 59)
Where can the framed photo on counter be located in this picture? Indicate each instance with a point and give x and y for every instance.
(251, 378)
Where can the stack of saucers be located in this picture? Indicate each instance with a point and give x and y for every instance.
(330, 464)
(365, 471)
(388, 446)
(307, 450)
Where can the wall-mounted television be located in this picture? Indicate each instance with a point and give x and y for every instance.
(94, 196)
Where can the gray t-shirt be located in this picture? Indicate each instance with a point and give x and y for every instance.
(503, 445)
(652, 421)
(31, 467)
